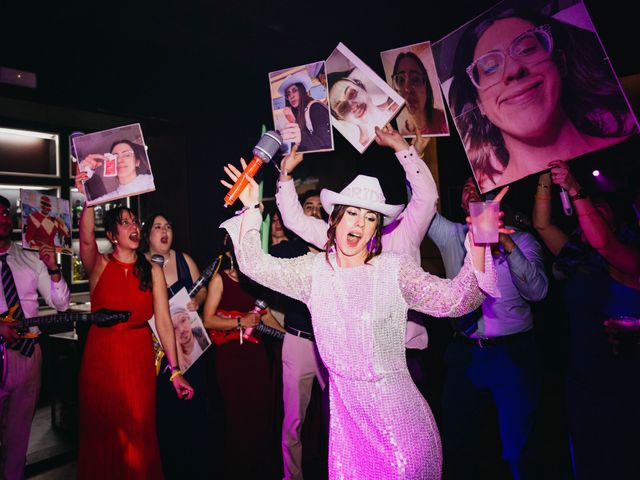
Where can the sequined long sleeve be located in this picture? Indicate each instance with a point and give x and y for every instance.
(289, 276)
(437, 296)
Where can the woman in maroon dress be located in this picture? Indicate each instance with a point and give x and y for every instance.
(117, 376)
(242, 377)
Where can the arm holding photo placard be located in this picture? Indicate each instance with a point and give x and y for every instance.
(597, 223)
(406, 234)
(310, 229)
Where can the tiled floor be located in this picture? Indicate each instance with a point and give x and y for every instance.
(51, 453)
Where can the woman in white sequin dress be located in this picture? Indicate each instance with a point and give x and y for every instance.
(381, 427)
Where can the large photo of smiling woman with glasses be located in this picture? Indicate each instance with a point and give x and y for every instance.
(116, 164)
(411, 72)
(526, 88)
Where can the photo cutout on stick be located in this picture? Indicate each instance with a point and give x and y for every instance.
(46, 220)
(359, 99)
(527, 86)
(117, 163)
(411, 72)
(300, 107)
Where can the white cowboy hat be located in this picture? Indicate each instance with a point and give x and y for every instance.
(362, 192)
(299, 77)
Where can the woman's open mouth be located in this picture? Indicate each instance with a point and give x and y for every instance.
(353, 239)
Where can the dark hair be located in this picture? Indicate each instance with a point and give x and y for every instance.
(142, 267)
(145, 231)
(374, 247)
(428, 106)
(227, 247)
(5, 202)
(587, 86)
(138, 152)
(308, 194)
(335, 77)
(305, 99)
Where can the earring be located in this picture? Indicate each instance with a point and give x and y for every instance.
(232, 265)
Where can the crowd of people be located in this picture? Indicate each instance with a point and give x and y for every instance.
(347, 307)
(354, 303)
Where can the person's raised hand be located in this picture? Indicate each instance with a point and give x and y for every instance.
(419, 143)
(290, 161)
(250, 195)
(387, 136)
(48, 256)
(561, 175)
(498, 198)
(80, 178)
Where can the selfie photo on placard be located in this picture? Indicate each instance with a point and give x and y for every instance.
(527, 86)
(300, 107)
(117, 163)
(411, 72)
(191, 337)
(46, 220)
(359, 99)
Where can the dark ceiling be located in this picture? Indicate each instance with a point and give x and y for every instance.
(201, 62)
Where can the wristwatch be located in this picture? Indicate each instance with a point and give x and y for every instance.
(54, 271)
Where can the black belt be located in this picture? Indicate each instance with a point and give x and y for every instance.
(299, 333)
(483, 342)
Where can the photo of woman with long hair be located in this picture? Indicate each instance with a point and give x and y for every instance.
(528, 88)
(411, 72)
(304, 119)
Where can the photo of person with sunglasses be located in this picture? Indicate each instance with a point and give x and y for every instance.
(528, 89)
(359, 99)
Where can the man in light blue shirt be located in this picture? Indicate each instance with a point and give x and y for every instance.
(493, 363)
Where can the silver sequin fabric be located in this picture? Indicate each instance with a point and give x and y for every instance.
(381, 427)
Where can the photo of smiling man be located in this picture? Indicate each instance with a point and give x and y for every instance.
(525, 88)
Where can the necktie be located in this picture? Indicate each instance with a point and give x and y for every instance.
(25, 346)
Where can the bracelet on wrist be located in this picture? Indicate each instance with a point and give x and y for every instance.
(258, 205)
(175, 374)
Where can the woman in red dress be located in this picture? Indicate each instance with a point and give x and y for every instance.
(117, 376)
